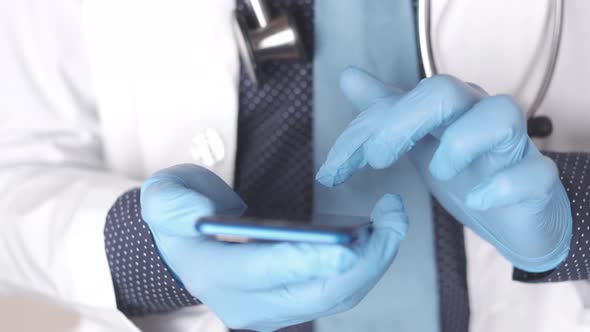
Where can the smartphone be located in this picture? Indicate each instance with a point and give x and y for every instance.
(319, 228)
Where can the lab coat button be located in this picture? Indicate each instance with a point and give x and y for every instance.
(208, 148)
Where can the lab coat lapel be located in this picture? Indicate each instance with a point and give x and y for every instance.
(186, 82)
(165, 74)
(111, 56)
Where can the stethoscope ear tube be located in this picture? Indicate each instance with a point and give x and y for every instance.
(538, 126)
(424, 38)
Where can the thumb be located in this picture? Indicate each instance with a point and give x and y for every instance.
(390, 225)
(376, 254)
(174, 198)
(383, 212)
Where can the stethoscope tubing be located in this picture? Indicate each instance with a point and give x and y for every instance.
(429, 65)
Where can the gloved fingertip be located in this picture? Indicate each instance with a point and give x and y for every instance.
(330, 178)
(362, 88)
(389, 213)
(325, 177)
(390, 202)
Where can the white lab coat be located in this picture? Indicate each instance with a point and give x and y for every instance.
(69, 148)
(94, 96)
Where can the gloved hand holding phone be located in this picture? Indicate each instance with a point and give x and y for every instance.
(261, 286)
(472, 150)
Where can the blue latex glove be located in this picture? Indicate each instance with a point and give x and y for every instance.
(472, 150)
(261, 286)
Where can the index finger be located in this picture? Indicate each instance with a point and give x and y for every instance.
(347, 155)
(364, 89)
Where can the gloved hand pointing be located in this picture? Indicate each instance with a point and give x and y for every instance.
(474, 153)
(259, 286)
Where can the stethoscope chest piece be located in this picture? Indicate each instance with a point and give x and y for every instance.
(270, 38)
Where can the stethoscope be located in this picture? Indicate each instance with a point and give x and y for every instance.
(262, 38)
(538, 126)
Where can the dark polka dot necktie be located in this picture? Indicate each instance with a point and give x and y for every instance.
(274, 165)
(274, 168)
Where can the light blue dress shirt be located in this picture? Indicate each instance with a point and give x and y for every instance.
(379, 36)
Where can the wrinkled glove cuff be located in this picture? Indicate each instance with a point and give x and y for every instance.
(143, 284)
(573, 169)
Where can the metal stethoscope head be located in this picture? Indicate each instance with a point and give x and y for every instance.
(538, 126)
(263, 38)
